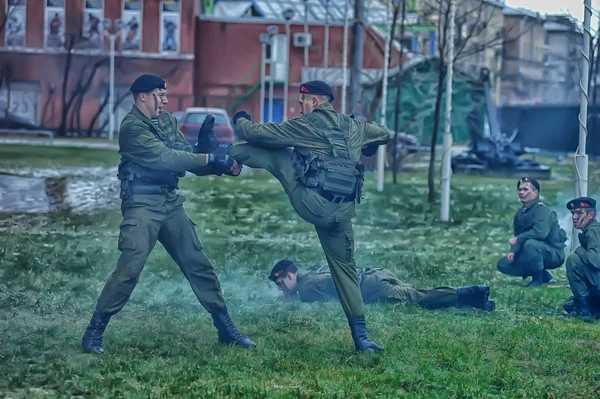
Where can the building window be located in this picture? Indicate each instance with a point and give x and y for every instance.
(131, 39)
(54, 36)
(93, 19)
(170, 21)
(16, 11)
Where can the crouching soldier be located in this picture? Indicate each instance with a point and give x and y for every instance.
(583, 266)
(376, 285)
(538, 242)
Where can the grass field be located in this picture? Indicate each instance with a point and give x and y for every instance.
(52, 267)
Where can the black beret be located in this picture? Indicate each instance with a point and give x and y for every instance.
(581, 202)
(533, 182)
(280, 268)
(147, 83)
(317, 87)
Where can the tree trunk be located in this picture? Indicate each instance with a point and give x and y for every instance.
(398, 96)
(434, 135)
(65, 107)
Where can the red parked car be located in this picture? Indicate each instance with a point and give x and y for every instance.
(191, 120)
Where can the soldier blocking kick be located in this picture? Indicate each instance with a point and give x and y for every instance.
(154, 155)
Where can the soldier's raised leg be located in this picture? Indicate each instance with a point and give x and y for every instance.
(338, 244)
(137, 238)
(276, 161)
(180, 238)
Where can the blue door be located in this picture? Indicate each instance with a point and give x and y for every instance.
(277, 110)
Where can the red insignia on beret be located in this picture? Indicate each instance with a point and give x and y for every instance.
(584, 205)
(277, 274)
(303, 89)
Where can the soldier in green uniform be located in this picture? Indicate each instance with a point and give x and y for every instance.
(376, 285)
(154, 155)
(538, 242)
(316, 158)
(583, 266)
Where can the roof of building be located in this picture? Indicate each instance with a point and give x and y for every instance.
(521, 11)
(317, 10)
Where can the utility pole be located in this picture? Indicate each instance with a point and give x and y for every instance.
(358, 31)
(345, 60)
(447, 153)
(382, 150)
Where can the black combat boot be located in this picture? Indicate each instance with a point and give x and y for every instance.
(362, 342)
(582, 308)
(476, 296)
(228, 334)
(537, 279)
(92, 339)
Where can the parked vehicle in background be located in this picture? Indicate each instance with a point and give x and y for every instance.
(191, 119)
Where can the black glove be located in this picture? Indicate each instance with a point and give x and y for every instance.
(207, 140)
(222, 162)
(370, 150)
(241, 114)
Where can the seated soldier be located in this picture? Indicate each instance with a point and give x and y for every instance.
(583, 266)
(538, 243)
(376, 285)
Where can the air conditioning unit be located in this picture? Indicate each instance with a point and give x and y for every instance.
(302, 39)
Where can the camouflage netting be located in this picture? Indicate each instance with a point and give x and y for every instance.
(419, 86)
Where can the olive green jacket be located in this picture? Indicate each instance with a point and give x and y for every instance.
(537, 222)
(163, 148)
(589, 250)
(316, 284)
(298, 132)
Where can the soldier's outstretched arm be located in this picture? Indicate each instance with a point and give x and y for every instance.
(374, 135)
(140, 145)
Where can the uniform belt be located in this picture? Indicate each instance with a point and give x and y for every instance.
(332, 197)
(145, 189)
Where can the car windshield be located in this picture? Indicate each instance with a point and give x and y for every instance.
(197, 118)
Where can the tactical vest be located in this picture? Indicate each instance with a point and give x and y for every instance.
(133, 172)
(336, 173)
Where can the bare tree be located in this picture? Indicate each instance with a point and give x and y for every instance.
(471, 21)
(72, 97)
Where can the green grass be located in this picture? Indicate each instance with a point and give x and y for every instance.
(52, 267)
(28, 156)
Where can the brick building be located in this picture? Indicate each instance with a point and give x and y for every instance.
(43, 41)
(207, 60)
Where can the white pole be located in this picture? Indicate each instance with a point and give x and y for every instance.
(382, 150)
(326, 45)
(272, 66)
(111, 99)
(306, 32)
(447, 153)
(345, 59)
(262, 83)
(581, 158)
(286, 82)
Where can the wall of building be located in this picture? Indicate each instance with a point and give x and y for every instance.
(562, 67)
(522, 64)
(227, 71)
(37, 68)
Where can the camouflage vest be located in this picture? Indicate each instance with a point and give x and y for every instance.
(336, 173)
